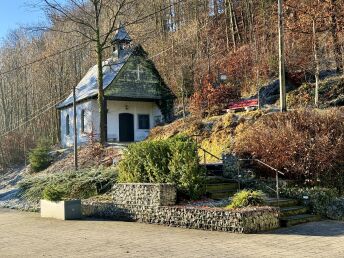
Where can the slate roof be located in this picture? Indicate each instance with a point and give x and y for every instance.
(121, 36)
(88, 86)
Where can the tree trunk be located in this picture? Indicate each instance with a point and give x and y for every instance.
(102, 113)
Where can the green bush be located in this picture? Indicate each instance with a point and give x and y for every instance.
(247, 198)
(77, 185)
(318, 198)
(164, 161)
(39, 157)
(184, 167)
(335, 210)
(54, 193)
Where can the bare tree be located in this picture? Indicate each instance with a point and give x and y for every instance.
(96, 21)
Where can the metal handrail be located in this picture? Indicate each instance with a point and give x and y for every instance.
(263, 163)
(277, 177)
(209, 153)
(204, 150)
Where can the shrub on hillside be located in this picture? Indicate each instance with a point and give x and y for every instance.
(53, 193)
(209, 100)
(247, 198)
(308, 145)
(164, 161)
(39, 157)
(318, 200)
(80, 184)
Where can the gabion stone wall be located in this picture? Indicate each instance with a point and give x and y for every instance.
(144, 194)
(249, 220)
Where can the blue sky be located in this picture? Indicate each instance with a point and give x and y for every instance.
(14, 13)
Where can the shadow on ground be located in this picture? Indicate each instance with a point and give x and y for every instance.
(324, 228)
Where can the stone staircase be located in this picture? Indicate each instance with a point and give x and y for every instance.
(293, 212)
(219, 187)
(221, 190)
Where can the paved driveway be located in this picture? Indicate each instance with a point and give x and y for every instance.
(27, 235)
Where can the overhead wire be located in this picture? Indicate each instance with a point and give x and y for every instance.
(37, 114)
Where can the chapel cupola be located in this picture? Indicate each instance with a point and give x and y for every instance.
(121, 42)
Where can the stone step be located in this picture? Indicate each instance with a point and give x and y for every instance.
(218, 180)
(298, 219)
(217, 195)
(283, 202)
(214, 172)
(214, 169)
(292, 211)
(222, 186)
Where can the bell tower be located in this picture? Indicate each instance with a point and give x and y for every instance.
(121, 42)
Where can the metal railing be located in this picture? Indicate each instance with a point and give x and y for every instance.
(276, 176)
(205, 152)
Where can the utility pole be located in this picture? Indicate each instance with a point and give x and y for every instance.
(317, 65)
(75, 132)
(283, 97)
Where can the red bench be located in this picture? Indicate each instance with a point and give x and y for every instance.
(243, 104)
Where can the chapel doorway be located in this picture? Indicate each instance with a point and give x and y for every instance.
(126, 127)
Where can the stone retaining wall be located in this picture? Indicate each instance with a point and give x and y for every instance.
(144, 194)
(249, 220)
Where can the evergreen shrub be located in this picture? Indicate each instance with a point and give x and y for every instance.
(335, 210)
(54, 193)
(164, 161)
(80, 184)
(319, 198)
(39, 157)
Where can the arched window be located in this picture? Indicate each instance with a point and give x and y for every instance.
(82, 121)
(67, 125)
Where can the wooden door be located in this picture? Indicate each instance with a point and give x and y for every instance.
(126, 127)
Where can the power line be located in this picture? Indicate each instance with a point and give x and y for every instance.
(38, 114)
(88, 41)
(70, 48)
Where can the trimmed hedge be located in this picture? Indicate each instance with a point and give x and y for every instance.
(164, 161)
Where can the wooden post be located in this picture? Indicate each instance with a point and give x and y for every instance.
(283, 97)
(277, 188)
(75, 132)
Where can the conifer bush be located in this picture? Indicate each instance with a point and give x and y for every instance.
(53, 193)
(39, 157)
(164, 161)
(80, 184)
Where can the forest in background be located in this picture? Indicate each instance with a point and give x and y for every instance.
(193, 43)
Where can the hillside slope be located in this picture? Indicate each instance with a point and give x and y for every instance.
(214, 134)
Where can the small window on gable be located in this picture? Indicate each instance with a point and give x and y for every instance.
(144, 122)
(67, 125)
(82, 121)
